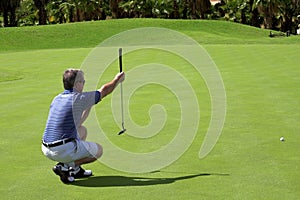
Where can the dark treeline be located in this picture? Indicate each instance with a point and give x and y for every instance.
(283, 15)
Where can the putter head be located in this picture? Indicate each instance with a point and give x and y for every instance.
(122, 131)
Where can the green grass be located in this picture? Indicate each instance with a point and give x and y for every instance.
(74, 36)
(261, 78)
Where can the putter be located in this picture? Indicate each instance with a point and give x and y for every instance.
(122, 110)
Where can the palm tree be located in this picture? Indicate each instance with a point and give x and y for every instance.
(114, 8)
(255, 18)
(8, 7)
(269, 8)
(203, 7)
(199, 8)
(193, 9)
(175, 13)
(4, 10)
(288, 10)
(41, 6)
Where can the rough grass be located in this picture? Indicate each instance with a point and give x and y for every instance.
(261, 77)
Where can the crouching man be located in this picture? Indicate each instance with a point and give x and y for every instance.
(64, 136)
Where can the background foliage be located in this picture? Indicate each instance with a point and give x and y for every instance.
(280, 15)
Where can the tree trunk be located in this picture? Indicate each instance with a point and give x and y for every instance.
(287, 24)
(71, 16)
(193, 9)
(185, 9)
(243, 17)
(8, 8)
(255, 21)
(5, 17)
(175, 13)
(268, 21)
(203, 7)
(78, 15)
(12, 17)
(41, 4)
(42, 16)
(114, 7)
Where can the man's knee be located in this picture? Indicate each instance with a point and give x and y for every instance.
(100, 151)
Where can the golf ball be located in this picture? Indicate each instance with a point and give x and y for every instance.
(282, 139)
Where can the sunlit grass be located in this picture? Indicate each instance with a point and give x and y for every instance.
(261, 78)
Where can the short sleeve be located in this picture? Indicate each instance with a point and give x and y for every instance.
(97, 97)
(85, 100)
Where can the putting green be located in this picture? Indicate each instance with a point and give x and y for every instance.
(248, 162)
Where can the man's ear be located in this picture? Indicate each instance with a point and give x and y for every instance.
(75, 84)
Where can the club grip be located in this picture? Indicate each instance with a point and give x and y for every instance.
(120, 59)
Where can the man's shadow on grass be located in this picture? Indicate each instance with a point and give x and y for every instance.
(121, 181)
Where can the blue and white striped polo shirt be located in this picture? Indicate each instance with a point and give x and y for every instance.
(65, 112)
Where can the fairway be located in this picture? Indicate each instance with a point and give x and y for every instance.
(261, 80)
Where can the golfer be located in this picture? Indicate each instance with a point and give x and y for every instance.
(64, 135)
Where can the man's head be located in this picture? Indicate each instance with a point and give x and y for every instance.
(73, 78)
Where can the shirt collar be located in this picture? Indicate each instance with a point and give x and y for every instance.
(71, 91)
(68, 91)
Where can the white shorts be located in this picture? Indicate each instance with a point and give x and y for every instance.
(71, 151)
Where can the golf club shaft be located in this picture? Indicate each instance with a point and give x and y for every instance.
(122, 109)
(121, 86)
(120, 59)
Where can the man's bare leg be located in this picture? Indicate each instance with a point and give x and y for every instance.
(89, 160)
